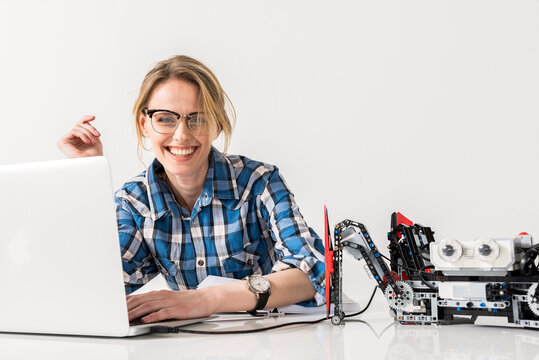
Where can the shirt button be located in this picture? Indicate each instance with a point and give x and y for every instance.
(249, 262)
(200, 262)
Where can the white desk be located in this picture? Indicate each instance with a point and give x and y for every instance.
(378, 337)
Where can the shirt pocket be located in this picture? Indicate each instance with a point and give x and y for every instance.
(167, 266)
(241, 264)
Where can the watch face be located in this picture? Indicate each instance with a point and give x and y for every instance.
(259, 283)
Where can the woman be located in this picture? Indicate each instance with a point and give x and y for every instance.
(197, 212)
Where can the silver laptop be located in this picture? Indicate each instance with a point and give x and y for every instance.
(60, 262)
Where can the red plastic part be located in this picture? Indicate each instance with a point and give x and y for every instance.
(524, 233)
(394, 275)
(401, 219)
(328, 254)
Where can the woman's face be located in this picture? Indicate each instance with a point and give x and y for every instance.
(181, 152)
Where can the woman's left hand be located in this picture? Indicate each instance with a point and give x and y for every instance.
(165, 304)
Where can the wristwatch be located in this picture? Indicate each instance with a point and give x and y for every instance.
(260, 286)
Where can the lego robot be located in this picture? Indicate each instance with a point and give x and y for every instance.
(439, 282)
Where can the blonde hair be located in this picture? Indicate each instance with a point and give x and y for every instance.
(213, 99)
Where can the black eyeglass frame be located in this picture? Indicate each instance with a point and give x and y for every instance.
(150, 113)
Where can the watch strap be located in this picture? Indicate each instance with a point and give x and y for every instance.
(262, 300)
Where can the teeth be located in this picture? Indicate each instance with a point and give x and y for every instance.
(181, 152)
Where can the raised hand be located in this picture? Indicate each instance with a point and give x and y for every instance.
(82, 140)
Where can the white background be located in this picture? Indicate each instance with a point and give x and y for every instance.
(426, 107)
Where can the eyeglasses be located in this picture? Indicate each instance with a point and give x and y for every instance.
(166, 121)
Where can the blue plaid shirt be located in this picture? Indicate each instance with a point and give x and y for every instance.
(244, 222)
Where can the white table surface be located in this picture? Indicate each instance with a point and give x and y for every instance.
(373, 335)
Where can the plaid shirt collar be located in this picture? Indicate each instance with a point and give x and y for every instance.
(220, 183)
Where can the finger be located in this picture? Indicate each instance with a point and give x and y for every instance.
(136, 300)
(86, 118)
(147, 308)
(90, 128)
(163, 314)
(82, 136)
(87, 133)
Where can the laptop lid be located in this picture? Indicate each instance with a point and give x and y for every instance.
(60, 264)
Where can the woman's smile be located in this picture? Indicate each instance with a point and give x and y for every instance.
(181, 151)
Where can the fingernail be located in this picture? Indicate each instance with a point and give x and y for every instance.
(144, 319)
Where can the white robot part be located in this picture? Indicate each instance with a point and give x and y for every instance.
(462, 290)
(482, 257)
(486, 250)
(450, 250)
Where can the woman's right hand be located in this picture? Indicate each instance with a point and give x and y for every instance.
(82, 140)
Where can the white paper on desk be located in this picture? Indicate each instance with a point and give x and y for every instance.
(349, 306)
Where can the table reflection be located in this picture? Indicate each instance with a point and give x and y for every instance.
(463, 342)
(307, 342)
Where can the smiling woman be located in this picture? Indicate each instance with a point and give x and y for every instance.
(197, 212)
(182, 152)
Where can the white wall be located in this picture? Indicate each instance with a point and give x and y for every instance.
(427, 107)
